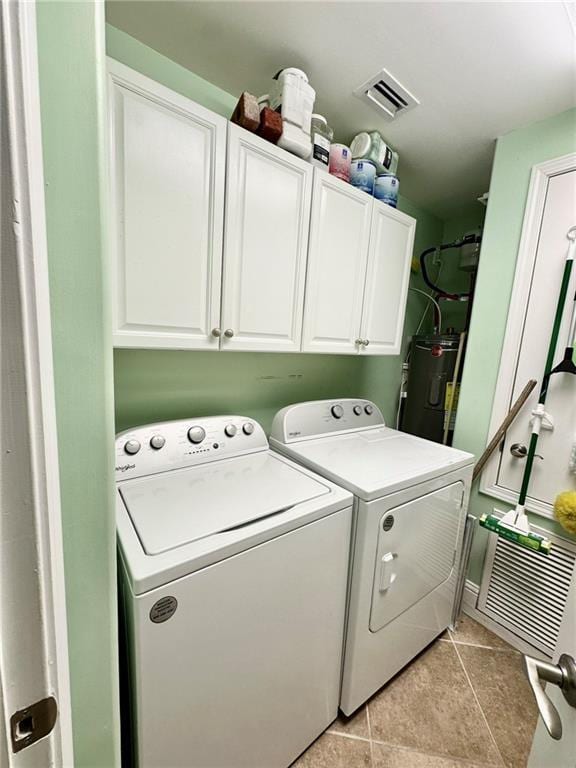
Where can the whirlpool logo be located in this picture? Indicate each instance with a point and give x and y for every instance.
(125, 467)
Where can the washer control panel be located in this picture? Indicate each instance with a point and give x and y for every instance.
(319, 418)
(184, 443)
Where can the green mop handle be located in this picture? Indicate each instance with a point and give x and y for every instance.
(549, 363)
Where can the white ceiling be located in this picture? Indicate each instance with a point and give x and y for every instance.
(479, 69)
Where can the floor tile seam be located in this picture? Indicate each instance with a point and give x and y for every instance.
(343, 735)
(368, 721)
(485, 647)
(440, 755)
(496, 747)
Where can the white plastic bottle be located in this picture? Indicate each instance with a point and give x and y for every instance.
(322, 136)
(293, 97)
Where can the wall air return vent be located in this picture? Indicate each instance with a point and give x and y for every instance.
(526, 591)
(384, 93)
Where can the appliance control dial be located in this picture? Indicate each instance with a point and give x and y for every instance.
(357, 410)
(248, 428)
(369, 410)
(337, 411)
(132, 447)
(196, 435)
(230, 430)
(157, 442)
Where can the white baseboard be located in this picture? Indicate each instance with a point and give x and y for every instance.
(471, 592)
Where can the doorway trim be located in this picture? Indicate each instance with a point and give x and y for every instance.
(527, 251)
(25, 146)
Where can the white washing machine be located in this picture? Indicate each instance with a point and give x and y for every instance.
(411, 497)
(233, 577)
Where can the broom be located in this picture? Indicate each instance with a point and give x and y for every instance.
(514, 526)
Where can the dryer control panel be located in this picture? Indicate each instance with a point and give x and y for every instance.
(169, 445)
(318, 418)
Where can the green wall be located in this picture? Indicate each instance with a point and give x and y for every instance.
(153, 385)
(71, 62)
(516, 153)
(133, 53)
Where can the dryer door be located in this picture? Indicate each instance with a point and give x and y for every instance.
(417, 550)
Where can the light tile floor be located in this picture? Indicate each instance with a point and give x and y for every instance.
(463, 702)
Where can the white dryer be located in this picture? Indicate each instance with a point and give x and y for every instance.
(411, 497)
(233, 576)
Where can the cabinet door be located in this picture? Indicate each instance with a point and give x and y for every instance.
(339, 234)
(267, 220)
(167, 195)
(387, 277)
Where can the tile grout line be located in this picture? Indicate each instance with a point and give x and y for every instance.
(502, 762)
(347, 735)
(370, 735)
(441, 755)
(469, 644)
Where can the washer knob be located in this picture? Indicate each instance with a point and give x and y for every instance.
(369, 410)
(157, 442)
(132, 447)
(357, 410)
(248, 428)
(230, 430)
(337, 411)
(196, 435)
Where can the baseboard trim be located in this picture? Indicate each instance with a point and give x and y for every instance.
(470, 600)
(469, 603)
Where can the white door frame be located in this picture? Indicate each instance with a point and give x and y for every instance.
(38, 406)
(525, 263)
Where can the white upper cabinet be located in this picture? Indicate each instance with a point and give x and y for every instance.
(387, 278)
(288, 259)
(267, 218)
(339, 237)
(167, 202)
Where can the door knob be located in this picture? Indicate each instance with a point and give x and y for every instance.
(520, 451)
(228, 333)
(216, 332)
(563, 675)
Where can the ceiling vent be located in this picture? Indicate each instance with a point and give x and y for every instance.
(385, 93)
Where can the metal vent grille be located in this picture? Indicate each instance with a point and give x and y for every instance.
(526, 591)
(386, 94)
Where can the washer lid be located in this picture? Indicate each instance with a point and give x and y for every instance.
(374, 462)
(176, 508)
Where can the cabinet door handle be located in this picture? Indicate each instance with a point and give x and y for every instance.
(359, 342)
(228, 333)
(216, 332)
(366, 342)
